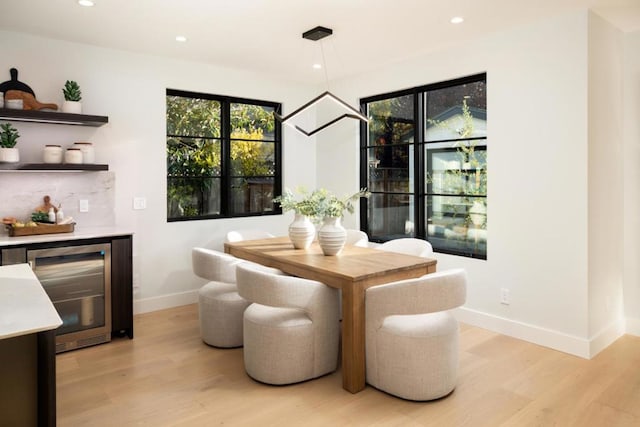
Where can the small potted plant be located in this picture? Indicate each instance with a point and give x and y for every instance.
(72, 97)
(8, 139)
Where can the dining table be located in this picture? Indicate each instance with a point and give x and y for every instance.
(352, 271)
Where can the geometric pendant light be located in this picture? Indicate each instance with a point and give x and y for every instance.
(316, 34)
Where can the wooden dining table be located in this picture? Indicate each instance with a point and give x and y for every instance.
(352, 271)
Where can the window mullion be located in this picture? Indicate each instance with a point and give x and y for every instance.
(420, 167)
(225, 158)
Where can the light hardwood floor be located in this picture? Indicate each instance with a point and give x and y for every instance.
(166, 376)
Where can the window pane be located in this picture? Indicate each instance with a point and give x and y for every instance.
(391, 216)
(192, 196)
(392, 179)
(188, 157)
(193, 117)
(251, 158)
(253, 122)
(252, 195)
(457, 224)
(461, 170)
(456, 112)
(391, 121)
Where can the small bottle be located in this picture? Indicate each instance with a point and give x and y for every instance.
(59, 214)
(52, 215)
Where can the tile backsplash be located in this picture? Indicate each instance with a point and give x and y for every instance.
(22, 192)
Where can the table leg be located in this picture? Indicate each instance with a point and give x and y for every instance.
(353, 342)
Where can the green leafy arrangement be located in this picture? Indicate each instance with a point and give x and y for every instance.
(8, 136)
(40, 217)
(71, 91)
(319, 203)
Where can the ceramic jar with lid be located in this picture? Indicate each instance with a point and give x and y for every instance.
(52, 154)
(73, 155)
(88, 154)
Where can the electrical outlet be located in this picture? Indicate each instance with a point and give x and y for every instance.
(84, 205)
(504, 296)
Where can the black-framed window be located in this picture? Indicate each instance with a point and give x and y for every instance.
(424, 158)
(223, 156)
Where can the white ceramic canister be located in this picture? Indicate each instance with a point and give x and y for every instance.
(14, 104)
(52, 153)
(88, 154)
(73, 155)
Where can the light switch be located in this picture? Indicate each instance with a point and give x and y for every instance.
(84, 205)
(139, 203)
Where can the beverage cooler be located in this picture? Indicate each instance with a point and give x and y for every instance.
(78, 282)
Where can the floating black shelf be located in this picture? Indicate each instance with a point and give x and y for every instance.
(53, 117)
(44, 167)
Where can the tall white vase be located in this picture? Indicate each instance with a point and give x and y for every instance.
(332, 236)
(301, 232)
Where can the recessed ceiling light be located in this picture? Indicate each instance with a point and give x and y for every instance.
(181, 39)
(457, 20)
(317, 66)
(87, 3)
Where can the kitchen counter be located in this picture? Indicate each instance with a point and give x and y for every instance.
(28, 322)
(25, 307)
(79, 233)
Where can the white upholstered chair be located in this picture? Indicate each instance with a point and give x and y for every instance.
(357, 238)
(408, 246)
(219, 305)
(411, 338)
(247, 234)
(291, 331)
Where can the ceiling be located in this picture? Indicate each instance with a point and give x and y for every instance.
(265, 35)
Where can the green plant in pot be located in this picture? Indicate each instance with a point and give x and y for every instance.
(8, 139)
(72, 97)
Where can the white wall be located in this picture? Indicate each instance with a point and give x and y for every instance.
(631, 126)
(537, 84)
(130, 89)
(546, 199)
(606, 219)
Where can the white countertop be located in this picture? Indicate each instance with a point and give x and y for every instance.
(79, 233)
(25, 307)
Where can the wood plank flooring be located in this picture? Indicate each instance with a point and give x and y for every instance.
(166, 376)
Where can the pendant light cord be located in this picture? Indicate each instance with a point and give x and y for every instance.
(324, 65)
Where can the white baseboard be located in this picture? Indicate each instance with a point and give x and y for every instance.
(147, 305)
(546, 337)
(633, 326)
(606, 336)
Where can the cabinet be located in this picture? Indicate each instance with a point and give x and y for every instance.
(121, 274)
(51, 117)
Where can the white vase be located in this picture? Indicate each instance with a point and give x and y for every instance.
(301, 232)
(478, 213)
(9, 155)
(332, 236)
(74, 107)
